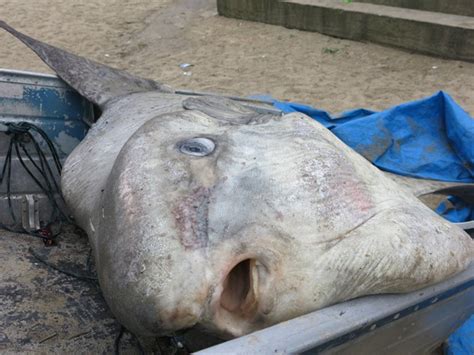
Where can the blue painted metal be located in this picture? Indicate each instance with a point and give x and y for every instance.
(48, 102)
(61, 113)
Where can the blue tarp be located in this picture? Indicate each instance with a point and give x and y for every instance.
(432, 138)
(461, 342)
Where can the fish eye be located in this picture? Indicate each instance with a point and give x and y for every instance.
(198, 147)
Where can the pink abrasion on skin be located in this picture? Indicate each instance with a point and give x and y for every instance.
(191, 217)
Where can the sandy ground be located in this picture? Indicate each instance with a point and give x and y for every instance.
(151, 39)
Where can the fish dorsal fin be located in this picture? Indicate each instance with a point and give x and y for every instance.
(97, 82)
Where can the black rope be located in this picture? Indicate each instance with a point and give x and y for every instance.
(117, 340)
(40, 171)
(9, 175)
(65, 272)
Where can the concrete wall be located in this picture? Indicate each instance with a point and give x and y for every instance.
(456, 7)
(446, 36)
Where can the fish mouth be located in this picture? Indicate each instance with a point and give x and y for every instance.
(239, 289)
(238, 302)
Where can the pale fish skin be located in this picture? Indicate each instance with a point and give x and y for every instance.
(279, 218)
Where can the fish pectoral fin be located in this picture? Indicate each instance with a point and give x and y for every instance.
(399, 250)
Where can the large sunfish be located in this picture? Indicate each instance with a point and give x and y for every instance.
(202, 211)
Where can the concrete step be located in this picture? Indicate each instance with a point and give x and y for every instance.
(456, 7)
(445, 35)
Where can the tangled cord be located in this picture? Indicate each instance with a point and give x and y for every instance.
(84, 277)
(40, 172)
